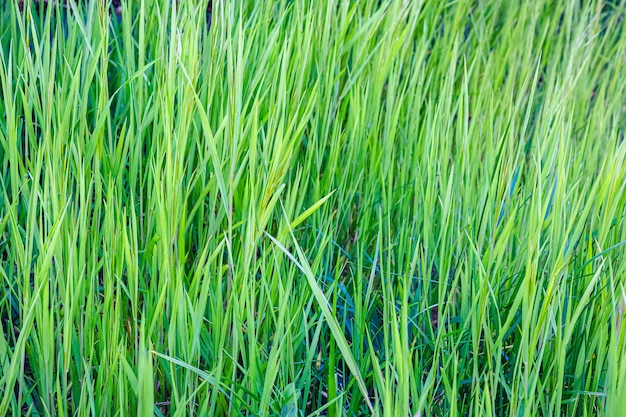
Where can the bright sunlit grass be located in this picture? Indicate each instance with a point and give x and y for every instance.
(390, 208)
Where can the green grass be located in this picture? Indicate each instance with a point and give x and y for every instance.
(391, 208)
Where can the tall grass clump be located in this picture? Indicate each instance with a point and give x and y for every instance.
(374, 207)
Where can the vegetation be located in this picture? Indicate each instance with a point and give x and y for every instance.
(391, 208)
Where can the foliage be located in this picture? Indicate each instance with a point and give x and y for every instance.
(399, 208)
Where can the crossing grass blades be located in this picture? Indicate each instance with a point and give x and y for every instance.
(326, 208)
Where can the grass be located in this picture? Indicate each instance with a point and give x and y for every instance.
(391, 208)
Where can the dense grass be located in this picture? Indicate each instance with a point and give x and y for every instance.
(399, 208)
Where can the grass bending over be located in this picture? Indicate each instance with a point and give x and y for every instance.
(397, 208)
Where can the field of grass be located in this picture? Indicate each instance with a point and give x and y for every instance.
(390, 208)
